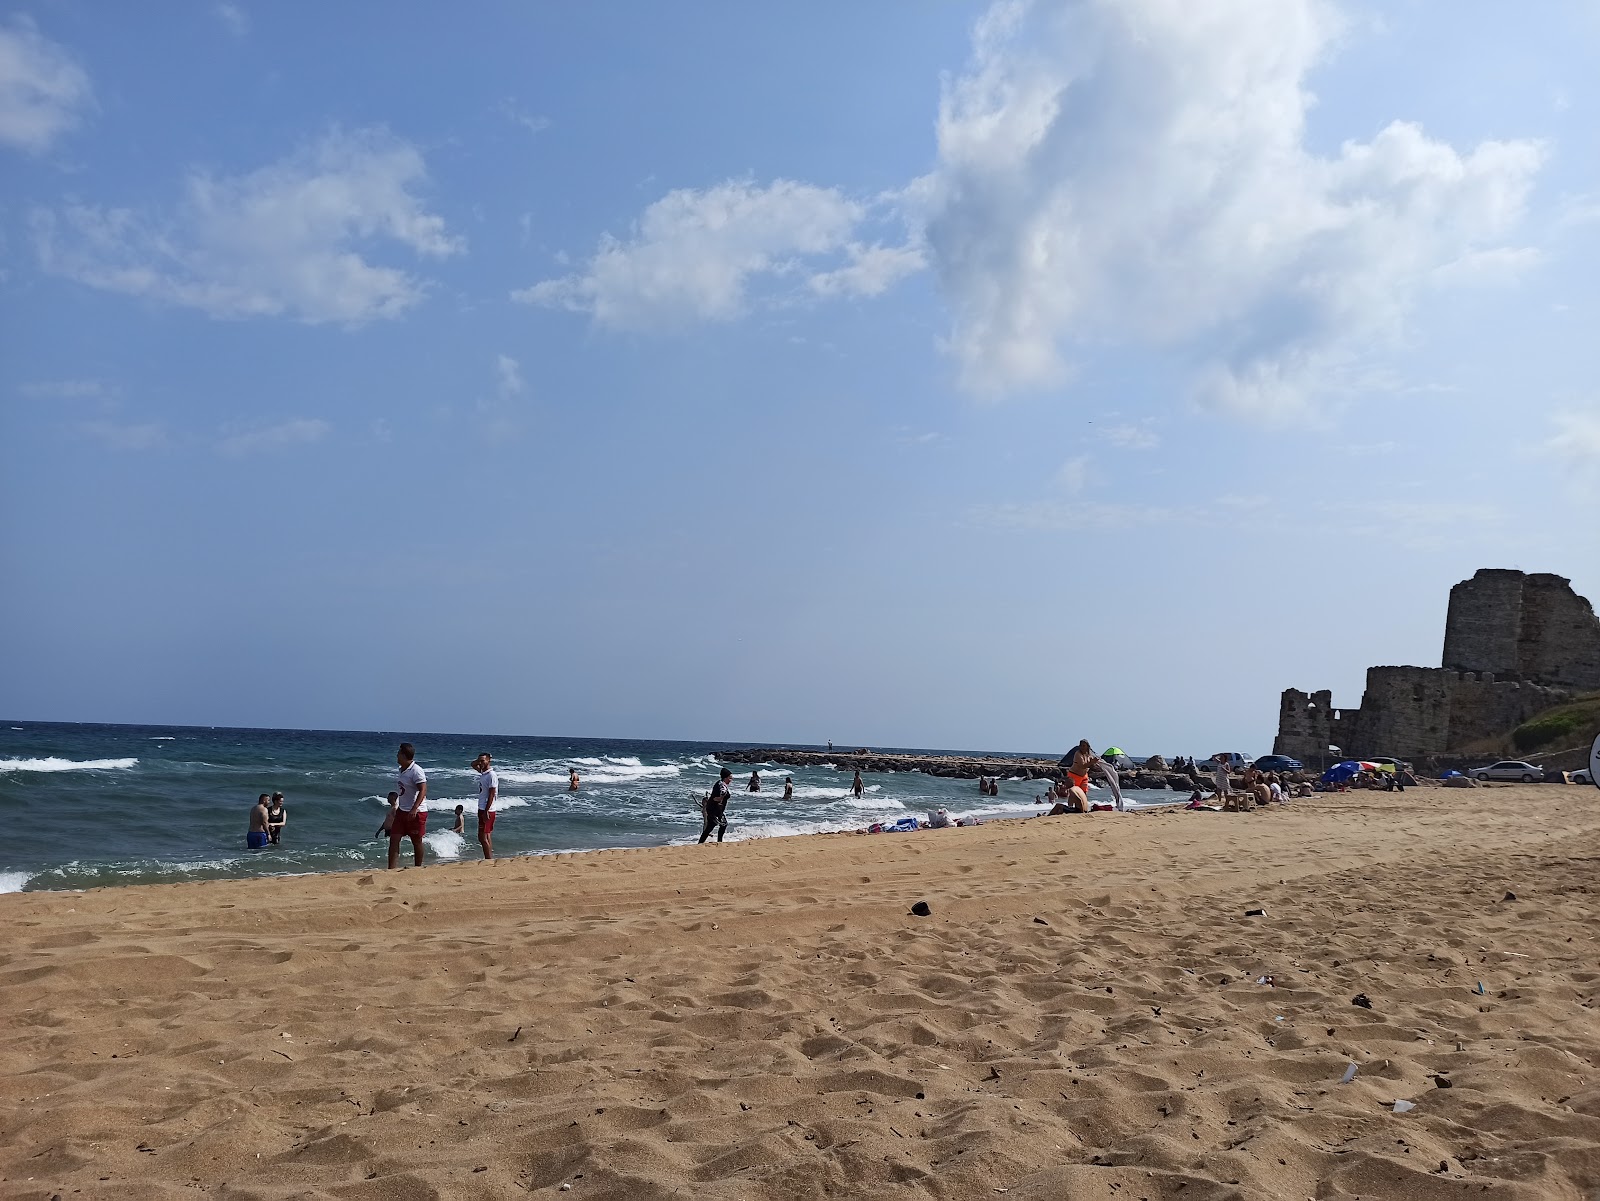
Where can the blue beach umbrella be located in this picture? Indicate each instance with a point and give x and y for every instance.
(1340, 772)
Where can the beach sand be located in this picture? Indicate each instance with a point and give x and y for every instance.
(1079, 1017)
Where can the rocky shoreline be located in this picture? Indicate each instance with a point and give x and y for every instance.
(963, 767)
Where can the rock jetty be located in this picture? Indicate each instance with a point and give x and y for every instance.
(959, 767)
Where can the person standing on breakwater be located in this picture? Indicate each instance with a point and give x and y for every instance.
(411, 813)
(755, 782)
(256, 837)
(716, 807)
(856, 786)
(488, 793)
(277, 818)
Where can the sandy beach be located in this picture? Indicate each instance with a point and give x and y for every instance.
(1080, 1016)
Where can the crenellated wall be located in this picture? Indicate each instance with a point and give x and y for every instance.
(1515, 644)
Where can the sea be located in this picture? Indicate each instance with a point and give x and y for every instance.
(88, 806)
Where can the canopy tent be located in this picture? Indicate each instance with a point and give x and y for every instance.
(1111, 752)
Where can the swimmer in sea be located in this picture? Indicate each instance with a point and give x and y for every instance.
(461, 821)
(856, 786)
(572, 780)
(256, 837)
(788, 788)
(755, 782)
(277, 818)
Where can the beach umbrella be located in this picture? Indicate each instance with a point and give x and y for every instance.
(1340, 772)
(1111, 752)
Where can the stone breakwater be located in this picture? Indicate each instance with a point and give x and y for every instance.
(959, 767)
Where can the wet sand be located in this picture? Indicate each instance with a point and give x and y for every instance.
(1079, 1017)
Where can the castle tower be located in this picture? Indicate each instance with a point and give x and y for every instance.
(1523, 627)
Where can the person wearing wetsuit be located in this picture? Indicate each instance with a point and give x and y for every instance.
(716, 807)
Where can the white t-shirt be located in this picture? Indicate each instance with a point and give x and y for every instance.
(407, 784)
(487, 782)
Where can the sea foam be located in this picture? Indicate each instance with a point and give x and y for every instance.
(54, 764)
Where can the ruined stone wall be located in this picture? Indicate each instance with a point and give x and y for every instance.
(1308, 724)
(1523, 627)
(1405, 712)
(1514, 644)
(1558, 641)
(1480, 629)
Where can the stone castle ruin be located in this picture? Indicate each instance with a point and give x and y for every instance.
(1514, 644)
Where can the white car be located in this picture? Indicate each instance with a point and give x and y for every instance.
(1582, 776)
(1509, 769)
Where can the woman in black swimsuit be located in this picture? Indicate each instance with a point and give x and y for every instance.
(277, 817)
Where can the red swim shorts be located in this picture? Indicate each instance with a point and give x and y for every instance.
(486, 821)
(1080, 781)
(408, 825)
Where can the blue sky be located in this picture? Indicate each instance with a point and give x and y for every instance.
(949, 375)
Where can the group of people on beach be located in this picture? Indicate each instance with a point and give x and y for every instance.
(407, 817)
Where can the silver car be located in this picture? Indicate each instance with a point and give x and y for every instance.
(1509, 769)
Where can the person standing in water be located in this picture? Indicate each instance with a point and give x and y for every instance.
(788, 788)
(277, 818)
(388, 818)
(461, 820)
(755, 782)
(256, 836)
(488, 793)
(716, 807)
(572, 779)
(856, 786)
(411, 812)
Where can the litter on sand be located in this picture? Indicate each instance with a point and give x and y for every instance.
(1479, 989)
(1404, 1106)
(1362, 1000)
(1255, 913)
(1349, 1074)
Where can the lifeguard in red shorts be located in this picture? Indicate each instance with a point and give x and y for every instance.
(488, 793)
(411, 813)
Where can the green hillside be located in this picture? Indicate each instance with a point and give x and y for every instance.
(1564, 727)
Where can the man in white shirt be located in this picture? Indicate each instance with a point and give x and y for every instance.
(488, 791)
(411, 812)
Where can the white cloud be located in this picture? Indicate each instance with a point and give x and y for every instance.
(67, 389)
(871, 271)
(295, 238)
(693, 254)
(1576, 445)
(43, 90)
(1073, 474)
(1132, 437)
(233, 17)
(125, 435)
(509, 372)
(298, 431)
(1137, 172)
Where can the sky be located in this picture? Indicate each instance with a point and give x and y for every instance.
(978, 375)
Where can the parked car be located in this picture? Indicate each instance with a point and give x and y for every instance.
(1278, 763)
(1234, 760)
(1508, 769)
(1582, 776)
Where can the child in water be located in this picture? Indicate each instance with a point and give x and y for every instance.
(388, 818)
(461, 822)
